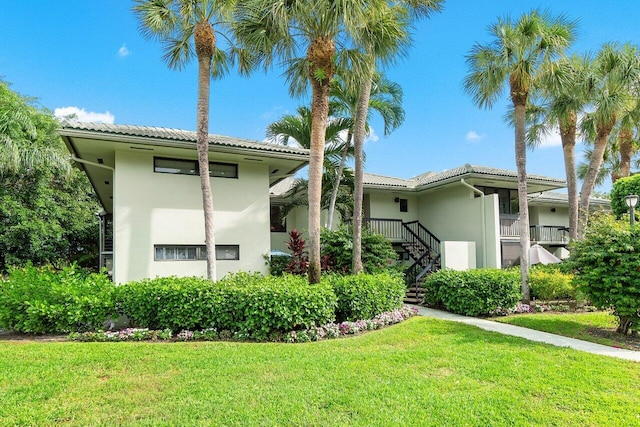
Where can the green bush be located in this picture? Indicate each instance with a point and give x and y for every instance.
(277, 264)
(365, 296)
(549, 283)
(622, 188)
(243, 303)
(378, 254)
(606, 265)
(474, 292)
(41, 300)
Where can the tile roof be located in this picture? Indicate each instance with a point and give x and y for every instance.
(429, 178)
(179, 135)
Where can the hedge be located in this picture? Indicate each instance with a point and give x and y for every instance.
(474, 292)
(240, 303)
(42, 300)
(365, 296)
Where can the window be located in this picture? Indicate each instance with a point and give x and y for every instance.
(190, 167)
(176, 166)
(278, 224)
(223, 170)
(507, 199)
(227, 252)
(404, 205)
(194, 252)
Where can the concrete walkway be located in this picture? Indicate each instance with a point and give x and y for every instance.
(531, 334)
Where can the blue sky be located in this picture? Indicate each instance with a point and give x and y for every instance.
(90, 57)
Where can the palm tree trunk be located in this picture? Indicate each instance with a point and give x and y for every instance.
(589, 181)
(205, 42)
(359, 131)
(320, 56)
(568, 137)
(625, 142)
(523, 203)
(336, 185)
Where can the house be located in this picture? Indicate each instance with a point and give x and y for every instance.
(461, 218)
(147, 181)
(152, 224)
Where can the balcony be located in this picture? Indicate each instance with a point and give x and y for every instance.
(543, 234)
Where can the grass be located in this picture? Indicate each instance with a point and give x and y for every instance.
(420, 372)
(597, 327)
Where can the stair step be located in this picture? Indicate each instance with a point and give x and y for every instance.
(413, 300)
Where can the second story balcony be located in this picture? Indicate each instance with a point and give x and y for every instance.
(542, 234)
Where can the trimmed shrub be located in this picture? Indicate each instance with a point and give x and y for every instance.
(365, 296)
(606, 267)
(474, 292)
(41, 300)
(549, 283)
(378, 254)
(240, 303)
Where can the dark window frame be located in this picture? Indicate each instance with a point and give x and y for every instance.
(279, 226)
(404, 205)
(200, 252)
(196, 168)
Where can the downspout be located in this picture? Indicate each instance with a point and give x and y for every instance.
(484, 221)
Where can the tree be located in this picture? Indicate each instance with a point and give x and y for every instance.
(616, 72)
(386, 99)
(383, 37)
(298, 127)
(564, 90)
(46, 207)
(514, 57)
(302, 35)
(28, 140)
(185, 27)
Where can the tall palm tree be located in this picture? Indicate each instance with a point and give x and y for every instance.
(384, 37)
(386, 100)
(514, 57)
(185, 28)
(298, 127)
(302, 35)
(564, 86)
(616, 72)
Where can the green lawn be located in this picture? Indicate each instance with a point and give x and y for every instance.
(597, 327)
(420, 372)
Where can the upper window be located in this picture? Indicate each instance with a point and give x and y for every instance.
(190, 167)
(278, 224)
(507, 199)
(404, 205)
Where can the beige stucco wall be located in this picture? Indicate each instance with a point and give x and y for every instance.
(453, 214)
(383, 205)
(154, 208)
(542, 215)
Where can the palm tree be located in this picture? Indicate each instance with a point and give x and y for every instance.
(185, 27)
(514, 56)
(616, 72)
(564, 89)
(27, 143)
(302, 35)
(382, 38)
(386, 99)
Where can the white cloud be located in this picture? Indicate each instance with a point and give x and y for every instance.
(123, 51)
(372, 136)
(473, 136)
(551, 140)
(82, 115)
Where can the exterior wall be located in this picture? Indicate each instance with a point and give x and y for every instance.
(383, 205)
(458, 255)
(154, 208)
(454, 214)
(542, 215)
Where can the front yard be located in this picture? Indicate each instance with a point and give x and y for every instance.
(420, 372)
(598, 327)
